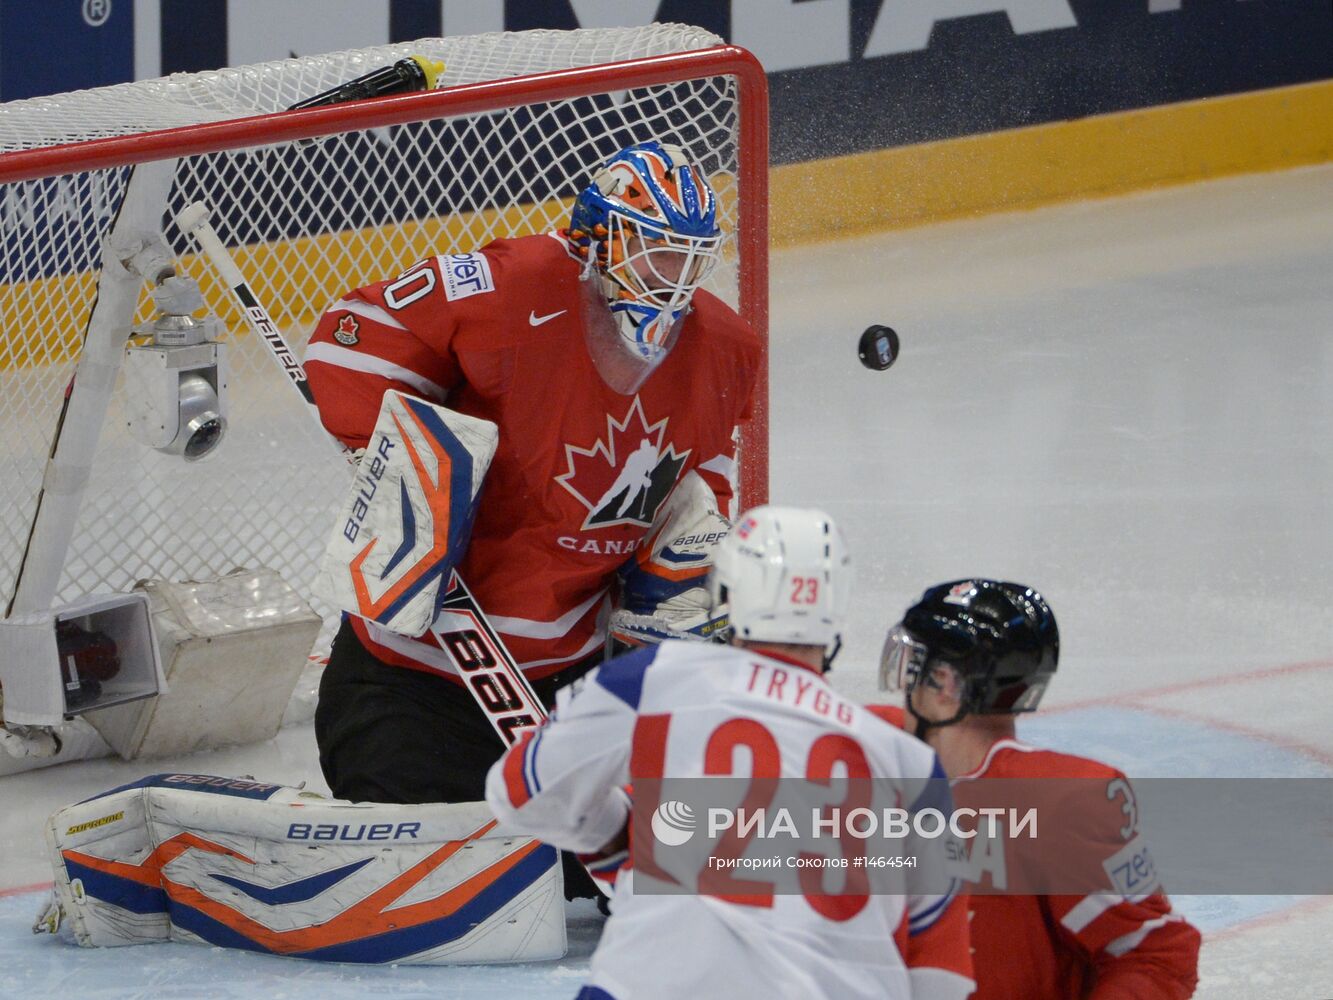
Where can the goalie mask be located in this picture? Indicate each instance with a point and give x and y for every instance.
(647, 224)
(1000, 638)
(786, 576)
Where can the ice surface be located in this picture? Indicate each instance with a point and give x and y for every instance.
(1126, 403)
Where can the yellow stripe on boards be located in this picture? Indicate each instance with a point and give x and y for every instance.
(45, 318)
(1023, 168)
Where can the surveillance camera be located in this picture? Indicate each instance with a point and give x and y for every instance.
(175, 397)
(176, 386)
(201, 424)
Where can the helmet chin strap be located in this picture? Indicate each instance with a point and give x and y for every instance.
(924, 725)
(827, 663)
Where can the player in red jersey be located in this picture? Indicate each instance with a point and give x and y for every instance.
(611, 376)
(970, 656)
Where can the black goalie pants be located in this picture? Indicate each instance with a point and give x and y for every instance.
(388, 734)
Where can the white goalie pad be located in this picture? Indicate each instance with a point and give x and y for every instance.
(407, 520)
(268, 868)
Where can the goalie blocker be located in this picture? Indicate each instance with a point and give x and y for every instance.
(405, 524)
(264, 867)
(404, 527)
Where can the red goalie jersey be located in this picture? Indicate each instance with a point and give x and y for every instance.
(1099, 946)
(581, 470)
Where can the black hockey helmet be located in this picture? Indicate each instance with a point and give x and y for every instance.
(1000, 637)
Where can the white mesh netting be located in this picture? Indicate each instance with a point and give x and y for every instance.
(306, 221)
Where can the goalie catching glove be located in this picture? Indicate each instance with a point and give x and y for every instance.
(664, 589)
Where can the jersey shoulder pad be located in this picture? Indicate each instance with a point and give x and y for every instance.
(533, 294)
(1014, 759)
(623, 675)
(463, 275)
(528, 263)
(1085, 806)
(726, 329)
(458, 279)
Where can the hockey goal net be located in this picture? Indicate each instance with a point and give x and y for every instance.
(311, 203)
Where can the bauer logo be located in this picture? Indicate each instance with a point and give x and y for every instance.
(214, 784)
(673, 823)
(374, 465)
(466, 274)
(353, 831)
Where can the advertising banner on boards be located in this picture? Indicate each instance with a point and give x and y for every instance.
(846, 76)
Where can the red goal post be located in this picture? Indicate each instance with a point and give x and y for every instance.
(306, 220)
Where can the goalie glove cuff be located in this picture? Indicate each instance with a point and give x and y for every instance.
(664, 590)
(698, 624)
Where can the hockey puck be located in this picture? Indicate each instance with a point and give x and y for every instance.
(878, 348)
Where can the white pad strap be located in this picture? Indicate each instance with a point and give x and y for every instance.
(406, 523)
(243, 864)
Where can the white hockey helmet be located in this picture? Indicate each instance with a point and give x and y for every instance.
(786, 576)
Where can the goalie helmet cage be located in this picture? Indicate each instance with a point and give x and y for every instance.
(312, 203)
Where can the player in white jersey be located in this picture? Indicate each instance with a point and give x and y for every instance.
(757, 709)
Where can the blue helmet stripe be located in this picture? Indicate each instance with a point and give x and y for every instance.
(695, 216)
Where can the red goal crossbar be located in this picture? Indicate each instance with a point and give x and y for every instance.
(752, 225)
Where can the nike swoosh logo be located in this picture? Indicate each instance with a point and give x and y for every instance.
(535, 320)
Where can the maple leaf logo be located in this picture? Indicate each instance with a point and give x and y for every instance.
(625, 477)
(347, 331)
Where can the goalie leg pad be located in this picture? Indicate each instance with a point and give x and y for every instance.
(408, 518)
(268, 868)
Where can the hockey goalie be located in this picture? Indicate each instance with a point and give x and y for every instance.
(437, 489)
(610, 375)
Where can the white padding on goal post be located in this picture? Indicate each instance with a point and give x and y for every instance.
(406, 523)
(243, 864)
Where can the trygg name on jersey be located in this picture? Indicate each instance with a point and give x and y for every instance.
(798, 689)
